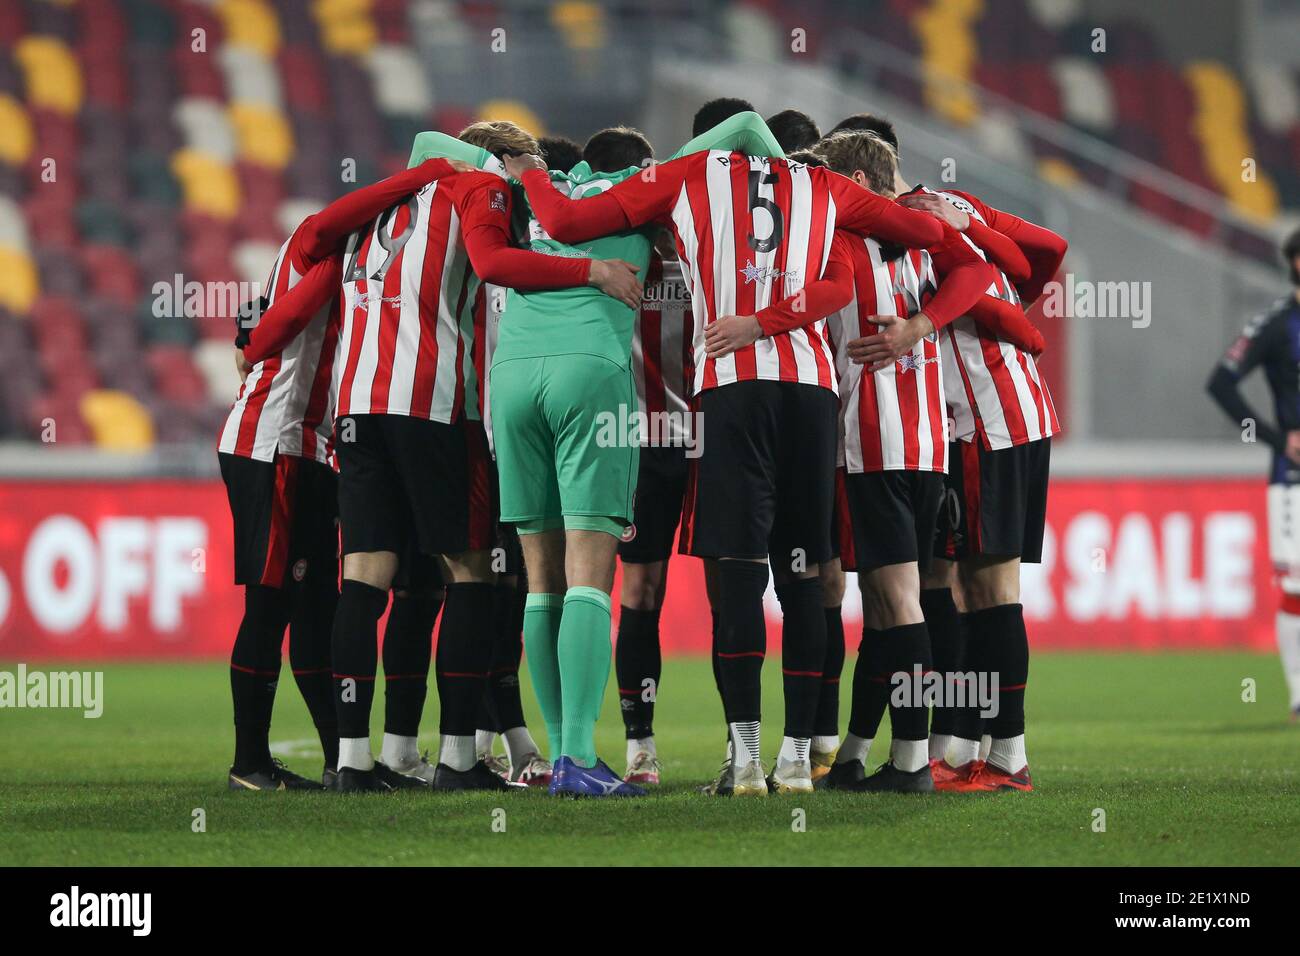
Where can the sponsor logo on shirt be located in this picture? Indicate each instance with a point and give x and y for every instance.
(756, 274)
(365, 298)
(914, 363)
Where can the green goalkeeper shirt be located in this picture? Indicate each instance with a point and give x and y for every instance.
(583, 319)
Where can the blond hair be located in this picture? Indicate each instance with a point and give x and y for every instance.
(499, 136)
(847, 152)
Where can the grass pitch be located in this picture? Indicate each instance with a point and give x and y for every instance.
(1186, 772)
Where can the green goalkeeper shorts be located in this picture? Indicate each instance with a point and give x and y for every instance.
(564, 455)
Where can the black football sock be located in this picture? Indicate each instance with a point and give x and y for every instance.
(636, 662)
(967, 723)
(1007, 655)
(355, 651)
(464, 655)
(870, 686)
(311, 627)
(908, 659)
(742, 638)
(254, 671)
(503, 705)
(828, 698)
(715, 625)
(944, 624)
(803, 652)
(408, 648)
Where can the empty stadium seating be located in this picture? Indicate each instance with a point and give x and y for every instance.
(146, 140)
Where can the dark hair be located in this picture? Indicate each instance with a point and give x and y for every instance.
(560, 152)
(869, 123)
(807, 157)
(1290, 250)
(617, 148)
(793, 129)
(715, 111)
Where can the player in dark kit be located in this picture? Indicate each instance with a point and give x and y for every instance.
(1272, 342)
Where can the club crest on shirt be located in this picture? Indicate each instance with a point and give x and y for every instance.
(497, 201)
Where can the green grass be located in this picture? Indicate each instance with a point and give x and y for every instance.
(1186, 772)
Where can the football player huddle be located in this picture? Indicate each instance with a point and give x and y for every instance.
(474, 388)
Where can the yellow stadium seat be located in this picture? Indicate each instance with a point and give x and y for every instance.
(1057, 172)
(1220, 125)
(117, 420)
(581, 23)
(22, 281)
(264, 134)
(515, 112)
(209, 185)
(949, 52)
(251, 23)
(346, 26)
(16, 137)
(52, 73)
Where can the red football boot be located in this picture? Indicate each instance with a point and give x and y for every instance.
(946, 776)
(988, 779)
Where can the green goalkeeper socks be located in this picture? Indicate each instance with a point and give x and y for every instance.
(584, 653)
(542, 613)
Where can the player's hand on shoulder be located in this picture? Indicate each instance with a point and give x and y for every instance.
(516, 166)
(616, 279)
(729, 333)
(941, 209)
(460, 166)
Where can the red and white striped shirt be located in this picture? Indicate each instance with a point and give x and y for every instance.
(662, 352)
(893, 419)
(750, 231)
(994, 390)
(286, 404)
(407, 339)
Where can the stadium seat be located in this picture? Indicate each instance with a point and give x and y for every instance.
(16, 135)
(1085, 93)
(206, 126)
(117, 421)
(263, 135)
(18, 291)
(208, 184)
(401, 85)
(252, 24)
(250, 77)
(53, 74)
